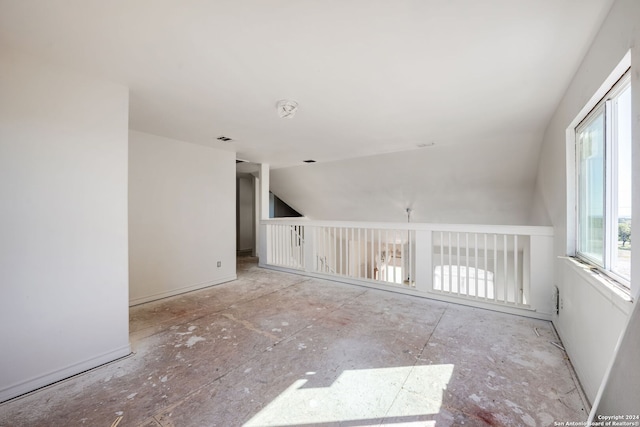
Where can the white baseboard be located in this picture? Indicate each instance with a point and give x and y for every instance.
(178, 291)
(43, 380)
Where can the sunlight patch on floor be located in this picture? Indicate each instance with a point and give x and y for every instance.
(364, 394)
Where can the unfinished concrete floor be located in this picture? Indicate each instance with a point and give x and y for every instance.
(274, 349)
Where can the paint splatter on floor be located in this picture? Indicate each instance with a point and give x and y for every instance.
(193, 340)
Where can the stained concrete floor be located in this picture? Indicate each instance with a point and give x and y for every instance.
(274, 349)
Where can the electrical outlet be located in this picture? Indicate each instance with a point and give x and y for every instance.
(219, 263)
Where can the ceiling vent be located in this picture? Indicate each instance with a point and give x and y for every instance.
(224, 138)
(286, 108)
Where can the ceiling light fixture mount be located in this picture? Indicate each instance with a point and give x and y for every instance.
(286, 108)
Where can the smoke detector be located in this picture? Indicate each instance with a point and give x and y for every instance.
(286, 108)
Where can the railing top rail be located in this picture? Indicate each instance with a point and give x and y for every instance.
(530, 230)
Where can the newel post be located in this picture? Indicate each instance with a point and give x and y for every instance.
(424, 260)
(262, 245)
(309, 248)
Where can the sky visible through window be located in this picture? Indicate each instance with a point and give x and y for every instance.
(624, 154)
(622, 254)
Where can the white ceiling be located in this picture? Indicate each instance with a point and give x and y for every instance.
(370, 76)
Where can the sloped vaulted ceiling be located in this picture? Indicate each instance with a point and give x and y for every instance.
(478, 78)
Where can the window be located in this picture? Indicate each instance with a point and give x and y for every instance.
(603, 166)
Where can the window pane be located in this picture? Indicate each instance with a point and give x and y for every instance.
(621, 258)
(591, 184)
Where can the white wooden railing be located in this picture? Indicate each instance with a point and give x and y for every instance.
(506, 268)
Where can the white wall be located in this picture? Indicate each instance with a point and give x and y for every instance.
(592, 319)
(620, 393)
(476, 182)
(63, 216)
(182, 199)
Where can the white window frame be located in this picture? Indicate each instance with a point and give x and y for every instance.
(610, 226)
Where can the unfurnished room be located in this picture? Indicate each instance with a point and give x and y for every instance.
(319, 213)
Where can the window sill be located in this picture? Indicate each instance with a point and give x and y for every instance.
(611, 290)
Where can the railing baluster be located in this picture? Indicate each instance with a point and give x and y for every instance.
(340, 270)
(486, 272)
(334, 249)
(403, 257)
(386, 251)
(323, 241)
(345, 253)
(267, 244)
(321, 248)
(356, 252)
(327, 252)
(366, 259)
(412, 255)
(378, 255)
(410, 274)
(286, 240)
(354, 255)
(286, 244)
(330, 252)
(276, 244)
(279, 244)
(442, 265)
(466, 258)
(449, 266)
(516, 288)
(476, 263)
(316, 248)
(495, 267)
(292, 246)
(394, 257)
(372, 267)
(345, 245)
(361, 250)
(288, 233)
(319, 244)
(301, 246)
(326, 261)
(506, 269)
(458, 278)
(351, 250)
